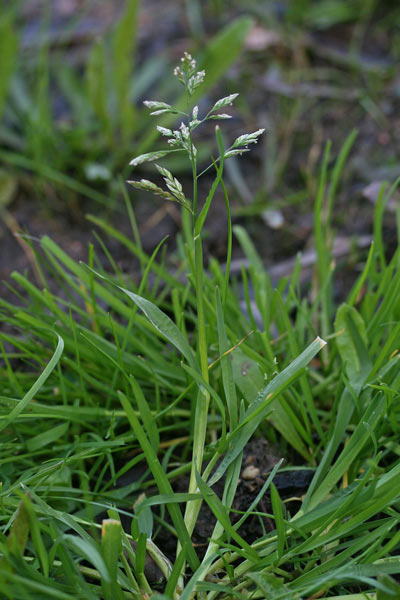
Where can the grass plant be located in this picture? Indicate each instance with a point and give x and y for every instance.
(113, 390)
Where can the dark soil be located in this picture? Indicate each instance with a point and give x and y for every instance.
(259, 458)
(258, 461)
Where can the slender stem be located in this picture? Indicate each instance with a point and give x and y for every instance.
(198, 277)
(202, 338)
(194, 174)
(203, 397)
(209, 166)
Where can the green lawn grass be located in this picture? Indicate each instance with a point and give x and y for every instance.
(171, 372)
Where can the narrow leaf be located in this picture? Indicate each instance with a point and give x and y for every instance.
(259, 409)
(358, 440)
(160, 321)
(352, 345)
(36, 386)
(8, 53)
(221, 513)
(250, 380)
(111, 547)
(47, 437)
(88, 550)
(162, 481)
(278, 516)
(18, 536)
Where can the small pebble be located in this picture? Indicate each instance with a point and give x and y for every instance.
(250, 472)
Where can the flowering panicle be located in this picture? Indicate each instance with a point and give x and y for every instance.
(181, 139)
(187, 75)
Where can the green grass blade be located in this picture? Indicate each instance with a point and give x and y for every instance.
(8, 53)
(277, 509)
(36, 536)
(47, 437)
(124, 42)
(221, 514)
(96, 84)
(226, 366)
(20, 407)
(271, 586)
(258, 409)
(149, 423)
(174, 583)
(48, 172)
(18, 535)
(161, 479)
(352, 345)
(88, 550)
(250, 380)
(219, 169)
(358, 440)
(161, 322)
(353, 296)
(337, 171)
(111, 547)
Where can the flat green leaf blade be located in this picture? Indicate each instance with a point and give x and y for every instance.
(162, 480)
(96, 82)
(226, 367)
(250, 380)
(111, 547)
(249, 249)
(359, 438)
(36, 536)
(160, 321)
(88, 550)
(18, 536)
(221, 514)
(123, 54)
(8, 53)
(149, 423)
(257, 411)
(391, 591)
(279, 522)
(223, 50)
(164, 325)
(220, 169)
(47, 437)
(37, 385)
(352, 344)
(271, 586)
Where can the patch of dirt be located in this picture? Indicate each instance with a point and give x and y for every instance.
(258, 461)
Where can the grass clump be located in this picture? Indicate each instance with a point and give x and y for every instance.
(113, 392)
